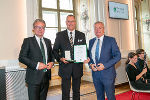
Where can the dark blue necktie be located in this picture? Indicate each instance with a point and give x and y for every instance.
(97, 52)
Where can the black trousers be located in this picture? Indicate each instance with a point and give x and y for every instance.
(38, 92)
(66, 85)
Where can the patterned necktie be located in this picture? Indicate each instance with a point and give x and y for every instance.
(43, 53)
(97, 52)
(71, 39)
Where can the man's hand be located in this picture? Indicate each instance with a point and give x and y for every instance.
(64, 60)
(100, 67)
(93, 67)
(50, 65)
(41, 66)
(144, 71)
(87, 61)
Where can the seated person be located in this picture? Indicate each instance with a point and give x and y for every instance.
(141, 62)
(135, 76)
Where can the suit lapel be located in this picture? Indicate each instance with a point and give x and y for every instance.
(103, 47)
(47, 45)
(36, 43)
(79, 39)
(92, 43)
(37, 47)
(76, 38)
(90, 48)
(66, 38)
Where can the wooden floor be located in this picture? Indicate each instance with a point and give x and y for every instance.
(87, 91)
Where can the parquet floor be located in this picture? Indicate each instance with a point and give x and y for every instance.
(87, 91)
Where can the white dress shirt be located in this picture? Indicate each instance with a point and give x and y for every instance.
(94, 47)
(73, 35)
(45, 48)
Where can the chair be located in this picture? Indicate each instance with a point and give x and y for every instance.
(136, 91)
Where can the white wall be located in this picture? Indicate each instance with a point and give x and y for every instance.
(13, 28)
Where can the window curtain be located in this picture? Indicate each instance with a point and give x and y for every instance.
(88, 12)
(99, 10)
(32, 14)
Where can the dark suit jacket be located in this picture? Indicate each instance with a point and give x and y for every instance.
(62, 44)
(30, 55)
(140, 64)
(132, 73)
(109, 56)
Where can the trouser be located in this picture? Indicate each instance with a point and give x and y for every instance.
(66, 85)
(104, 85)
(38, 92)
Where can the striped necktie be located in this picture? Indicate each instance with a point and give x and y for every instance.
(71, 39)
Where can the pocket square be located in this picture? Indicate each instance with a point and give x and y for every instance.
(79, 40)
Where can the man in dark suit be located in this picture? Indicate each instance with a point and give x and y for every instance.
(36, 54)
(64, 44)
(104, 54)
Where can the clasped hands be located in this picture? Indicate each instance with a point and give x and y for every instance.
(64, 60)
(99, 67)
(43, 66)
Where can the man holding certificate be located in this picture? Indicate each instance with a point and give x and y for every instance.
(68, 46)
(104, 54)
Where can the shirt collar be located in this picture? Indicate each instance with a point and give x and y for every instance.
(73, 32)
(101, 38)
(37, 38)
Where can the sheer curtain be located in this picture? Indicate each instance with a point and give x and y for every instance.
(88, 12)
(32, 14)
(99, 10)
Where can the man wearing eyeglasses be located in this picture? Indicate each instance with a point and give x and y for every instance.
(36, 54)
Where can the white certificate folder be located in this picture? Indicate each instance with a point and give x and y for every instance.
(80, 53)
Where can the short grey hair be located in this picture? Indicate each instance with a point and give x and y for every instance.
(70, 16)
(99, 22)
(39, 20)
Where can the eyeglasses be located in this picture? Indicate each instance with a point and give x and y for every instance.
(142, 53)
(39, 27)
